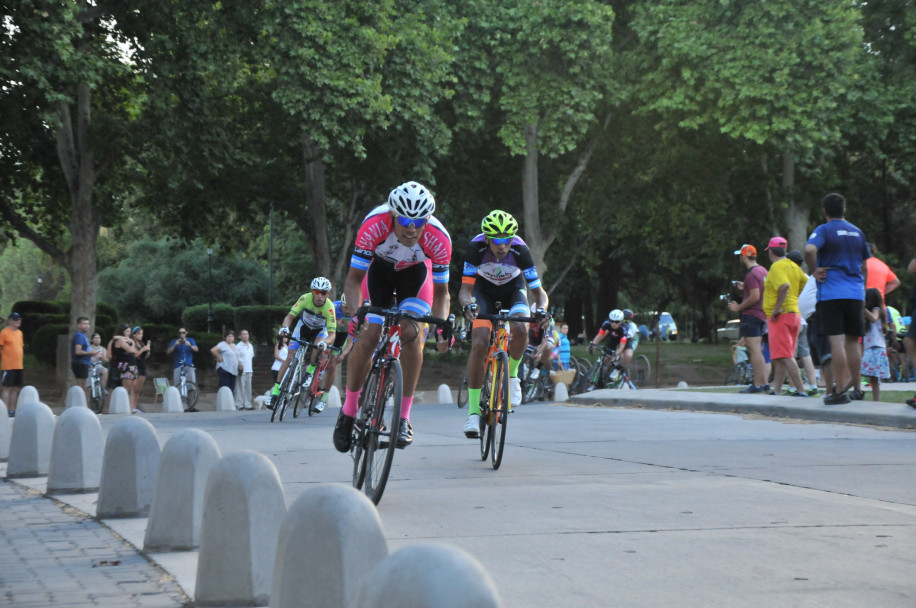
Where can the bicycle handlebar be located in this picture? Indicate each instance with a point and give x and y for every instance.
(330, 347)
(397, 313)
(505, 317)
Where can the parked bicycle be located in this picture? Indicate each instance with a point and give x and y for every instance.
(377, 421)
(311, 387)
(741, 373)
(295, 382)
(187, 389)
(97, 390)
(495, 405)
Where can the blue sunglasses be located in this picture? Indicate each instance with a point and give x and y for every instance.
(504, 241)
(419, 222)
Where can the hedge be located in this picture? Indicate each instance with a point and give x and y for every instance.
(43, 342)
(262, 322)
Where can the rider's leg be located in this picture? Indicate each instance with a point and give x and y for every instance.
(480, 340)
(411, 362)
(360, 360)
(518, 342)
(283, 367)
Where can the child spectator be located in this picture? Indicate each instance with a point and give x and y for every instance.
(874, 360)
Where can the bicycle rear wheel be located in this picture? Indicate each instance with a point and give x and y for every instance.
(499, 408)
(96, 397)
(383, 430)
(463, 391)
(641, 371)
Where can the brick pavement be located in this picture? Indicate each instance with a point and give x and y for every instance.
(54, 555)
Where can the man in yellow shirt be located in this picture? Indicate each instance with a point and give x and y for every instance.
(11, 347)
(783, 284)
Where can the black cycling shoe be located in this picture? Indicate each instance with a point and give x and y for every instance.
(343, 432)
(405, 434)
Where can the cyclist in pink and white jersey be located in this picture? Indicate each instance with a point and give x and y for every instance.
(400, 258)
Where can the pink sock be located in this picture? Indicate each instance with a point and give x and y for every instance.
(351, 403)
(406, 402)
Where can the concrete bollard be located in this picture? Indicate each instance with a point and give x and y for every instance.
(120, 401)
(336, 533)
(445, 394)
(428, 576)
(171, 401)
(30, 441)
(28, 394)
(560, 392)
(333, 398)
(76, 397)
(76, 452)
(174, 519)
(225, 400)
(6, 431)
(243, 510)
(129, 468)
(682, 384)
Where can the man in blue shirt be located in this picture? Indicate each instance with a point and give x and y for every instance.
(80, 355)
(836, 251)
(182, 350)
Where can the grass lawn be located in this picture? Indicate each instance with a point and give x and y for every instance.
(886, 396)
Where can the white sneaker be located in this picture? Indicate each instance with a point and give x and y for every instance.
(515, 391)
(472, 426)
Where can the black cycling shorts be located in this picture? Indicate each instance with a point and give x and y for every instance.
(388, 287)
(509, 295)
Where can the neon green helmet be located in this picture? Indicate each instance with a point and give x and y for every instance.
(499, 222)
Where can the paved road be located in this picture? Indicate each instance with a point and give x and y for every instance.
(599, 506)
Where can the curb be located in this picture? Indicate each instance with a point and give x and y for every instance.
(867, 413)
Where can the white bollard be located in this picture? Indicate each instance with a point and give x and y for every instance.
(445, 395)
(333, 398)
(129, 467)
(243, 510)
(682, 384)
(175, 517)
(225, 400)
(120, 401)
(171, 401)
(76, 397)
(28, 394)
(76, 452)
(428, 576)
(30, 442)
(336, 532)
(6, 431)
(560, 392)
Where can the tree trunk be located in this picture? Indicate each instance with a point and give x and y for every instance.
(530, 201)
(314, 221)
(795, 214)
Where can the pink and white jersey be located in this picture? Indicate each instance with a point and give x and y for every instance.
(376, 239)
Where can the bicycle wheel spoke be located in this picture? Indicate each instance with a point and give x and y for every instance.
(499, 400)
(383, 430)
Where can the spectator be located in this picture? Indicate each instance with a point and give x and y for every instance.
(837, 251)
(753, 319)
(563, 346)
(281, 350)
(143, 351)
(909, 342)
(245, 352)
(803, 348)
(182, 350)
(874, 360)
(101, 354)
(739, 351)
(818, 344)
(880, 276)
(228, 365)
(81, 357)
(11, 362)
(124, 351)
(784, 283)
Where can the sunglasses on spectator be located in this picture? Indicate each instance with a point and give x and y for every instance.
(501, 241)
(419, 222)
(182, 333)
(320, 292)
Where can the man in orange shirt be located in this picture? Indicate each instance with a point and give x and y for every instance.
(880, 276)
(11, 347)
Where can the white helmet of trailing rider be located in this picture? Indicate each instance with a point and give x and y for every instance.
(616, 315)
(321, 284)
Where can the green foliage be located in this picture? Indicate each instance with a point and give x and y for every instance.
(43, 342)
(194, 318)
(262, 322)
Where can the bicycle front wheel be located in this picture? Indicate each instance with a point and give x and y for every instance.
(361, 428)
(190, 396)
(641, 371)
(463, 391)
(96, 398)
(384, 426)
(485, 391)
(499, 408)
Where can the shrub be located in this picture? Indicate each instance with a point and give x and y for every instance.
(43, 343)
(262, 322)
(195, 317)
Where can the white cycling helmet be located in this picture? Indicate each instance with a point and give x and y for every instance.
(412, 200)
(321, 283)
(616, 315)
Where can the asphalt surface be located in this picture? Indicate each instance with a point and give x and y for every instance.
(619, 498)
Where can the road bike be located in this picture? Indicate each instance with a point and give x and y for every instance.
(495, 404)
(187, 389)
(292, 386)
(462, 399)
(97, 391)
(311, 387)
(607, 372)
(375, 430)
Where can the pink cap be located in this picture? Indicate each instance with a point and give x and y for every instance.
(777, 241)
